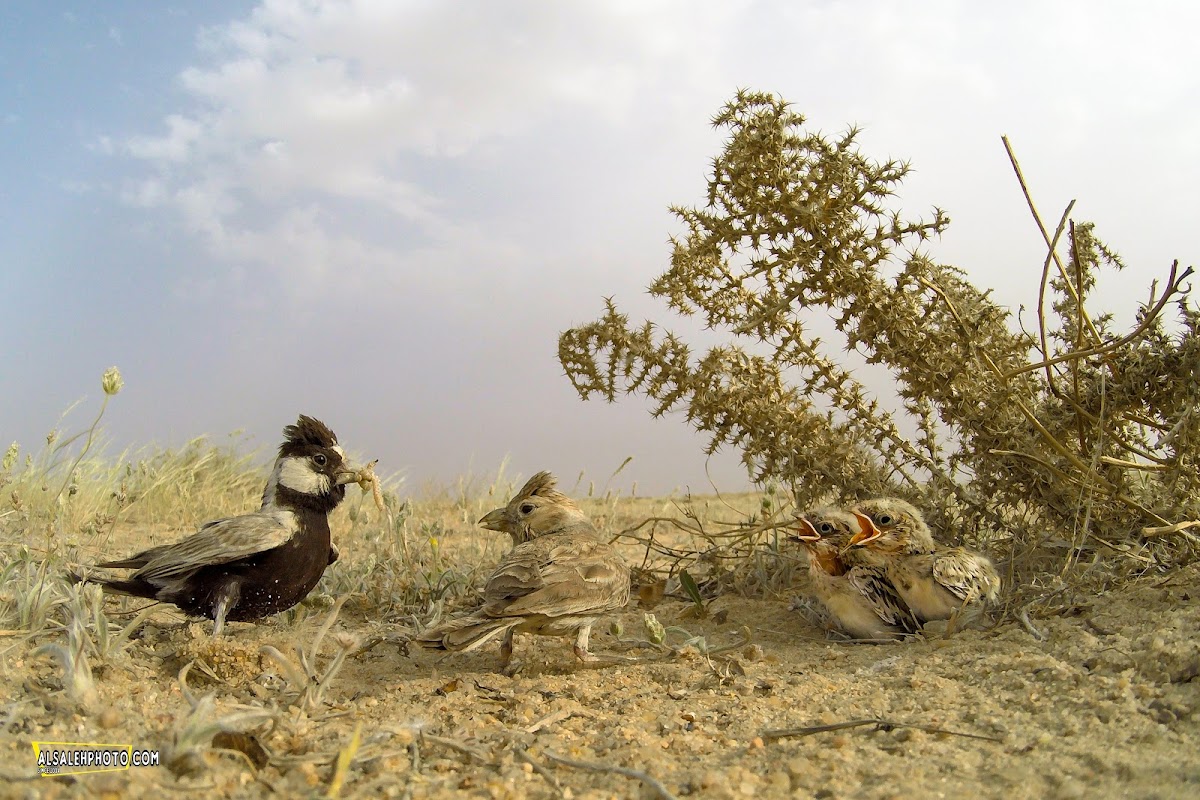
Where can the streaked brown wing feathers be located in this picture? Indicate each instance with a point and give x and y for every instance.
(218, 542)
(966, 575)
(879, 593)
(556, 576)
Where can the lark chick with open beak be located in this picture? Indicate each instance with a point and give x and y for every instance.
(254, 565)
(559, 579)
(858, 596)
(935, 582)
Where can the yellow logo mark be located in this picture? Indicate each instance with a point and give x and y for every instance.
(78, 758)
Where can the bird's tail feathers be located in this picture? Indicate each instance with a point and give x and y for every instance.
(465, 633)
(134, 588)
(134, 562)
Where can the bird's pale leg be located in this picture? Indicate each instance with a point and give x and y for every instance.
(506, 647)
(952, 621)
(581, 645)
(219, 616)
(227, 600)
(964, 616)
(510, 667)
(588, 657)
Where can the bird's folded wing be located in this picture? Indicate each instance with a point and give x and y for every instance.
(966, 575)
(568, 578)
(219, 542)
(879, 593)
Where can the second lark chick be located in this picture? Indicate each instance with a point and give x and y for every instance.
(859, 596)
(936, 582)
(559, 579)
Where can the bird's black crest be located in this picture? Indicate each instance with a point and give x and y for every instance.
(306, 432)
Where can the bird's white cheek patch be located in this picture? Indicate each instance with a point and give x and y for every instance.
(297, 475)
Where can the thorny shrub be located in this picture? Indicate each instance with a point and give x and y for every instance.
(1047, 448)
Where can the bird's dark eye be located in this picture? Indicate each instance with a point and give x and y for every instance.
(825, 527)
(527, 508)
(320, 460)
(885, 519)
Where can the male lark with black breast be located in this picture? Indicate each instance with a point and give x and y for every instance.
(251, 566)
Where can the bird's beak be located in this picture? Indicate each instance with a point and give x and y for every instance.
(806, 532)
(868, 532)
(352, 473)
(493, 520)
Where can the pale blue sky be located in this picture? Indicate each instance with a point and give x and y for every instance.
(383, 213)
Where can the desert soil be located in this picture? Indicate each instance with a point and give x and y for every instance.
(1100, 703)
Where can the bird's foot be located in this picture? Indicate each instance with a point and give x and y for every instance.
(589, 658)
(638, 644)
(968, 615)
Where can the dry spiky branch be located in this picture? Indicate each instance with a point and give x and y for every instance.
(1094, 437)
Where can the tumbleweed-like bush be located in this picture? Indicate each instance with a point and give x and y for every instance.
(1056, 448)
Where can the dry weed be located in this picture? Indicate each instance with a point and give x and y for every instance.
(1048, 460)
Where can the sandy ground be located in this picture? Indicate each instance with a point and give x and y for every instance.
(1102, 705)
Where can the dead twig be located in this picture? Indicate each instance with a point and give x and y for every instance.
(1062, 270)
(638, 775)
(546, 775)
(880, 725)
(552, 719)
(208, 787)
(1023, 617)
(1097, 628)
(1162, 530)
(746, 637)
(1173, 283)
(457, 746)
(1041, 308)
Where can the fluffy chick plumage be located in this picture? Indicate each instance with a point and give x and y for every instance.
(934, 581)
(858, 595)
(559, 579)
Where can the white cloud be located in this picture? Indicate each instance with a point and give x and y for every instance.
(304, 107)
(374, 136)
(175, 147)
(145, 193)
